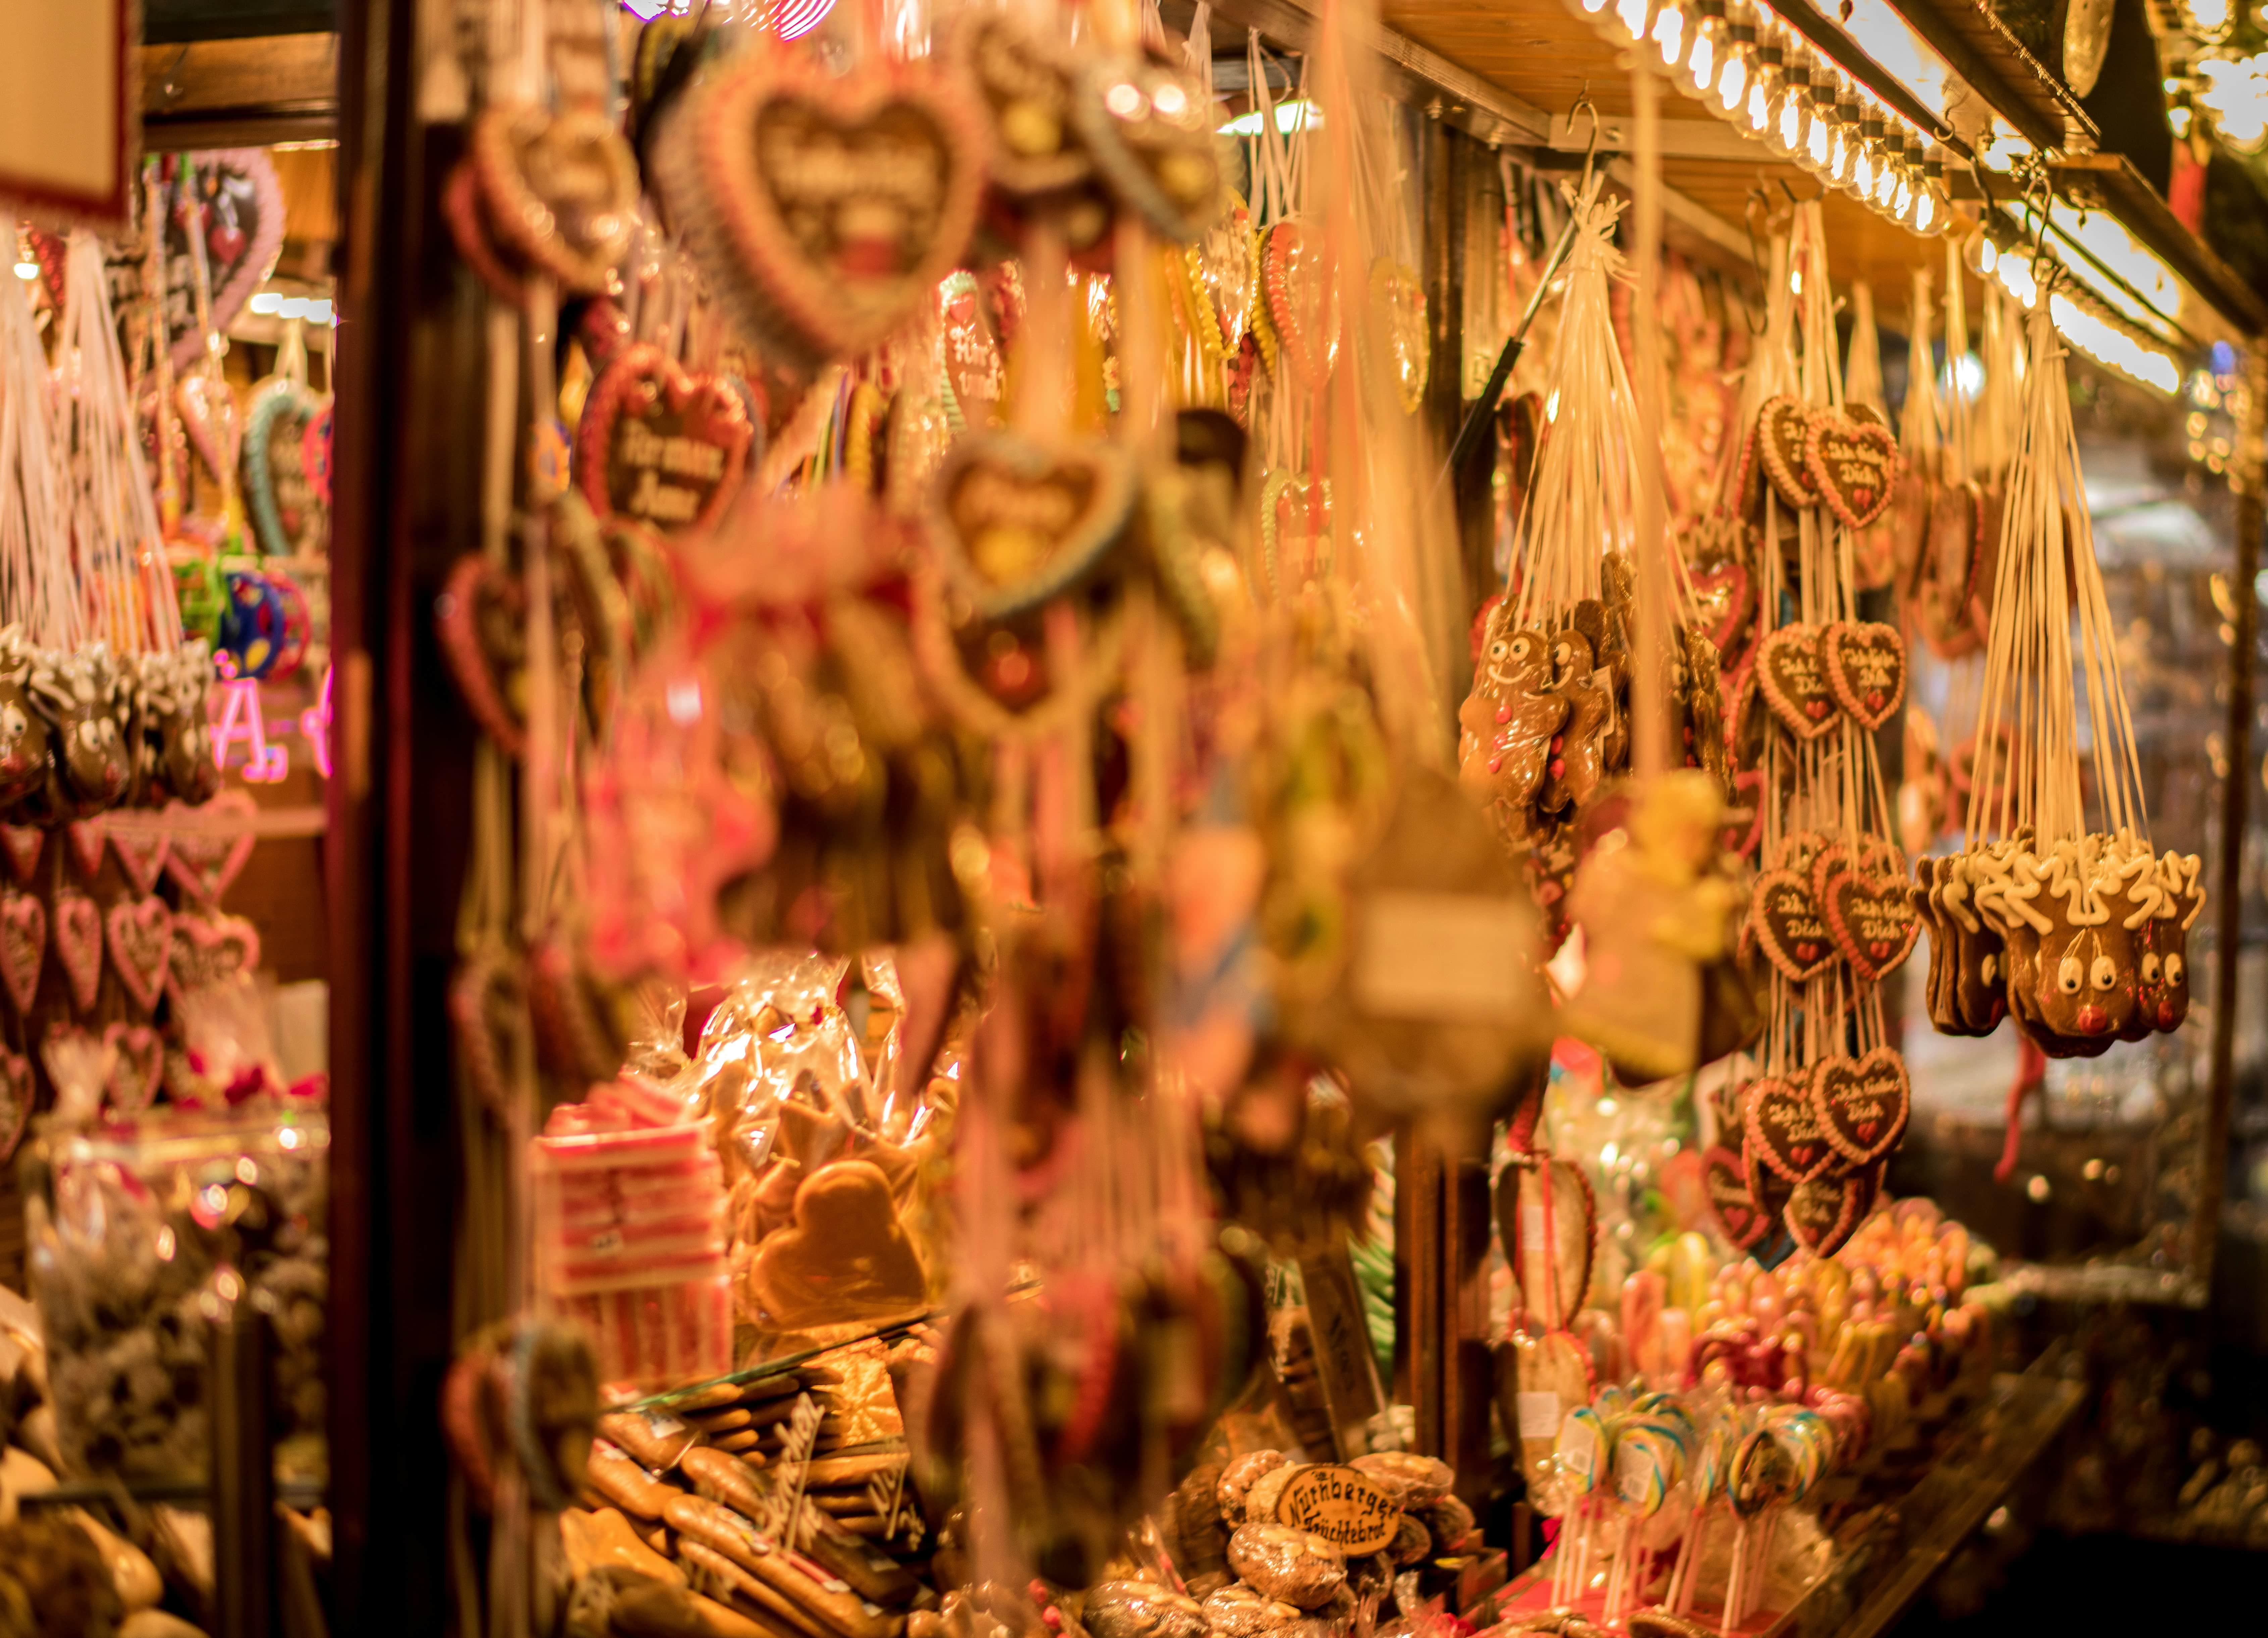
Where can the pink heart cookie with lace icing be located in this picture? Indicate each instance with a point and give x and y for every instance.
(141, 945)
(77, 929)
(137, 1065)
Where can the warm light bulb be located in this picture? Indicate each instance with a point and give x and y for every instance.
(1763, 92)
(1701, 62)
(1889, 172)
(1790, 114)
(1669, 33)
(1859, 173)
(1733, 80)
(1630, 19)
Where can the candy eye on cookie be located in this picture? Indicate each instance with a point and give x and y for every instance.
(2071, 975)
(2104, 973)
(2174, 969)
(2150, 968)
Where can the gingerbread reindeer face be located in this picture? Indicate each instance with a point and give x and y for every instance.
(2086, 979)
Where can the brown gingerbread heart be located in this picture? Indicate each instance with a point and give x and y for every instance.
(1794, 683)
(1783, 435)
(1862, 1104)
(1865, 665)
(1783, 1132)
(1790, 927)
(660, 445)
(1727, 599)
(1852, 464)
(1727, 1185)
(482, 620)
(1824, 1212)
(562, 190)
(1872, 919)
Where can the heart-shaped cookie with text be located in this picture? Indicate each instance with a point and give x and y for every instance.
(1017, 522)
(1824, 1212)
(1783, 1132)
(207, 846)
(1783, 437)
(24, 844)
(141, 945)
(1795, 682)
(824, 208)
(1863, 1103)
(1790, 927)
(481, 619)
(561, 190)
(1851, 463)
(1872, 919)
(210, 950)
(1725, 1183)
(1865, 665)
(76, 927)
(23, 945)
(140, 850)
(661, 444)
(280, 495)
(137, 1065)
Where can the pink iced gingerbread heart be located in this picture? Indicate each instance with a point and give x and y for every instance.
(210, 950)
(141, 946)
(207, 849)
(137, 1065)
(23, 946)
(141, 854)
(76, 928)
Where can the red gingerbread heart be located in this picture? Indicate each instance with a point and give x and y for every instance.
(660, 445)
(1824, 1212)
(210, 950)
(1794, 683)
(1783, 1132)
(141, 852)
(1866, 663)
(1852, 465)
(1863, 1103)
(24, 844)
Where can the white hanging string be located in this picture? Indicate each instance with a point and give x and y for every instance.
(34, 543)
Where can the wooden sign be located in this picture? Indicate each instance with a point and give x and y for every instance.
(1343, 1505)
(1343, 1361)
(69, 123)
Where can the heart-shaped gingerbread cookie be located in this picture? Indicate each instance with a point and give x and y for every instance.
(1862, 1104)
(1783, 435)
(232, 199)
(141, 945)
(1029, 84)
(76, 930)
(23, 945)
(210, 949)
(141, 852)
(1824, 1212)
(1795, 682)
(1149, 131)
(1017, 522)
(1790, 927)
(1727, 1185)
(287, 510)
(1866, 665)
(210, 415)
(86, 843)
(481, 616)
(1783, 1132)
(137, 1065)
(1852, 464)
(207, 846)
(1727, 599)
(561, 190)
(660, 445)
(1872, 918)
(825, 207)
(24, 844)
(1302, 302)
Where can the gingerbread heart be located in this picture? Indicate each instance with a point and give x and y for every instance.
(141, 942)
(1954, 542)
(23, 945)
(1866, 665)
(1852, 464)
(1149, 130)
(215, 425)
(87, 843)
(280, 495)
(207, 846)
(1298, 542)
(1547, 1223)
(1790, 927)
(561, 190)
(24, 844)
(1873, 920)
(1862, 1104)
(18, 1089)
(660, 445)
(845, 1256)
(481, 616)
(137, 1065)
(974, 373)
(1727, 1185)
(1727, 599)
(1783, 437)
(825, 207)
(1823, 1213)
(141, 852)
(77, 929)
(1399, 301)
(1302, 302)
(1018, 522)
(210, 950)
(1794, 683)
(230, 199)
(488, 1010)
(1745, 826)
(1029, 84)
(1783, 1132)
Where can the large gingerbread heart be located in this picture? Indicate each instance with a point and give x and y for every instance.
(209, 949)
(1302, 302)
(481, 618)
(1783, 1132)
(141, 943)
(23, 945)
(1149, 131)
(1824, 1212)
(76, 930)
(1852, 464)
(281, 497)
(561, 190)
(1783, 435)
(1727, 1185)
(229, 198)
(137, 1065)
(208, 846)
(1866, 665)
(1029, 84)
(825, 207)
(1862, 1104)
(660, 445)
(1790, 927)
(1872, 918)
(1794, 683)
(1018, 522)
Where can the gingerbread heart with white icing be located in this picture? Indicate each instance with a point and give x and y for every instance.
(1866, 665)
(1030, 85)
(1017, 522)
(77, 929)
(660, 445)
(207, 847)
(1727, 1185)
(1150, 132)
(1783, 437)
(1873, 920)
(141, 932)
(1852, 464)
(1795, 682)
(141, 853)
(1790, 927)
(825, 207)
(561, 190)
(1783, 1132)
(1862, 1104)
(1823, 1213)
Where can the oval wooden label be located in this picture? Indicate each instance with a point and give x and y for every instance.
(1343, 1505)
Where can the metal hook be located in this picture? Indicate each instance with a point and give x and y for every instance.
(1756, 196)
(1583, 105)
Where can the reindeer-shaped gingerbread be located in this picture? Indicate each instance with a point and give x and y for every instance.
(78, 694)
(23, 730)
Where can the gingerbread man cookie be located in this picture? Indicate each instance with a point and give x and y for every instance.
(1507, 723)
